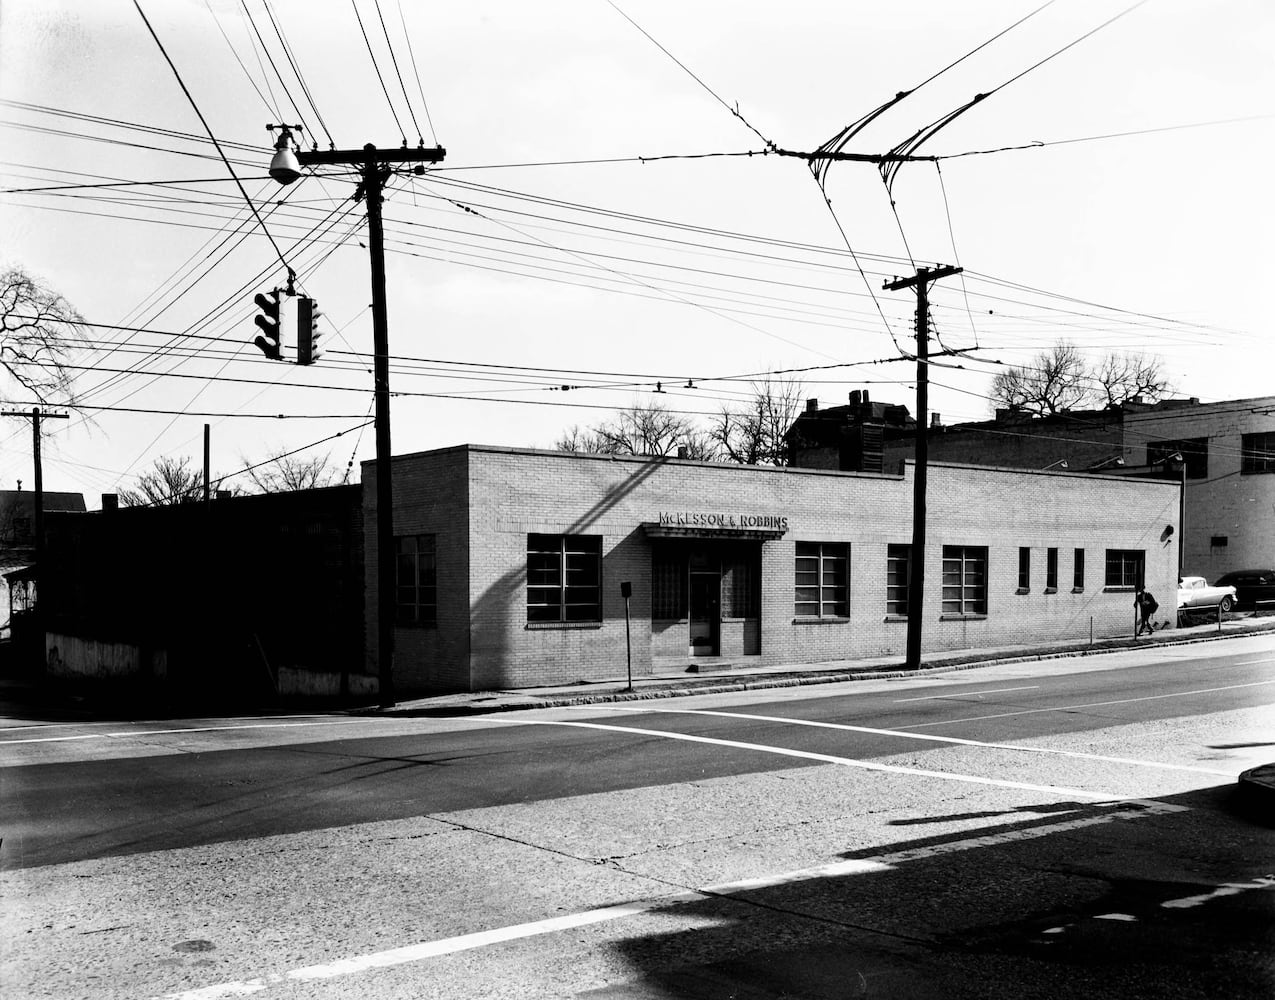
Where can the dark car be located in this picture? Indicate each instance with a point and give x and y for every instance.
(1254, 588)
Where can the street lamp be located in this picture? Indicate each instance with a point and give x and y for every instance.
(1178, 457)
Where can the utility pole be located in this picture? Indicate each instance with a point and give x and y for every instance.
(374, 170)
(38, 509)
(916, 557)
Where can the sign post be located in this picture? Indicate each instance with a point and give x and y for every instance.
(626, 591)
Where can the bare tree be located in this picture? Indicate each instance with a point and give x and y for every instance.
(169, 481)
(1055, 380)
(1062, 379)
(753, 434)
(282, 473)
(578, 439)
(1121, 377)
(39, 330)
(641, 429)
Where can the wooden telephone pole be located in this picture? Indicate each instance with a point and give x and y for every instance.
(374, 170)
(916, 557)
(37, 518)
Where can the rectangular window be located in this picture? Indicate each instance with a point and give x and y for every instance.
(1125, 567)
(1257, 452)
(822, 580)
(564, 578)
(964, 580)
(1078, 571)
(416, 580)
(1051, 571)
(898, 564)
(1194, 451)
(668, 582)
(1024, 569)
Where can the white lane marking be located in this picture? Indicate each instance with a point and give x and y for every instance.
(866, 765)
(1092, 704)
(913, 736)
(1128, 918)
(132, 733)
(959, 693)
(1229, 889)
(481, 939)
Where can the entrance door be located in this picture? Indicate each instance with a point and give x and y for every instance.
(705, 613)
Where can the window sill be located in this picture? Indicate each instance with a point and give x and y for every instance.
(416, 625)
(962, 618)
(811, 620)
(1118, 590)
(1023, 590)
(559, 626)
(1077, 590)
(1051, 590)
(896, 618)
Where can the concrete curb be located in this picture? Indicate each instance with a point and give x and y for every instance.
(483, 703)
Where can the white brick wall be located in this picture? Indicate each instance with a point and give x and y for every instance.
(483, 502)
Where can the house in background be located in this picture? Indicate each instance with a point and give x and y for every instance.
(1222, 455)
(17, 539)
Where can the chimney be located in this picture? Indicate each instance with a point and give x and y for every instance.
(866, 401)
(936, 420)
(855, 398)
(812, 405)
(110, 501)
(681, 451)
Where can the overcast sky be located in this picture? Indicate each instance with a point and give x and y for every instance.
(515, 269)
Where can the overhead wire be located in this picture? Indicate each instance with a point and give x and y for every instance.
(910, 145)
(265, 50)
(376, 66)
(296, 70)
(407, 35)
(208, 129)
(394, 59)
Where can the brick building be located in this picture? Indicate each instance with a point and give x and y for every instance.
(1227, 462)
(509, 562)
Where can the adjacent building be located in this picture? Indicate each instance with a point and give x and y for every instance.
(1221, 454)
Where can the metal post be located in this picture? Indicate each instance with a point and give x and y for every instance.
(626, 591)
(207, 457)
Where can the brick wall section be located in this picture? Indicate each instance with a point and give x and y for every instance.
(510, 493)
(1227, 503)
(430, 498)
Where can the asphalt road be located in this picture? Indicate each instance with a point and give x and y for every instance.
(1048, 829)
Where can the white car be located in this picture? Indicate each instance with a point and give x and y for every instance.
(1195, 592)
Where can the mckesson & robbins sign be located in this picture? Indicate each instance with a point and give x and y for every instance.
(710, 519)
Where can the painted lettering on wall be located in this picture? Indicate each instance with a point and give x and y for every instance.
(711, 519)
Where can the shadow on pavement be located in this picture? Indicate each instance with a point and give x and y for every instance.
(1162, 898)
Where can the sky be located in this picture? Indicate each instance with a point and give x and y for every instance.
(579, 245)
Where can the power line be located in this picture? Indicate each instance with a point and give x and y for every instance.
(394, 59)
(733, 110)
(181, 83)
(376, 66)
(287, 51)
(273, 65)
(411, 52)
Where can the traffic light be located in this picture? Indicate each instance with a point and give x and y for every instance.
(268, 340)
(307, 331)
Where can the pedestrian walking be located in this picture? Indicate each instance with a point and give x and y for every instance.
(1146, 605)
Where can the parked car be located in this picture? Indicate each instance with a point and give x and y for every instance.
(1195, 592)
(1251, 586)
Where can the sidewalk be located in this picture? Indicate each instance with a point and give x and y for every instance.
(755, 678)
